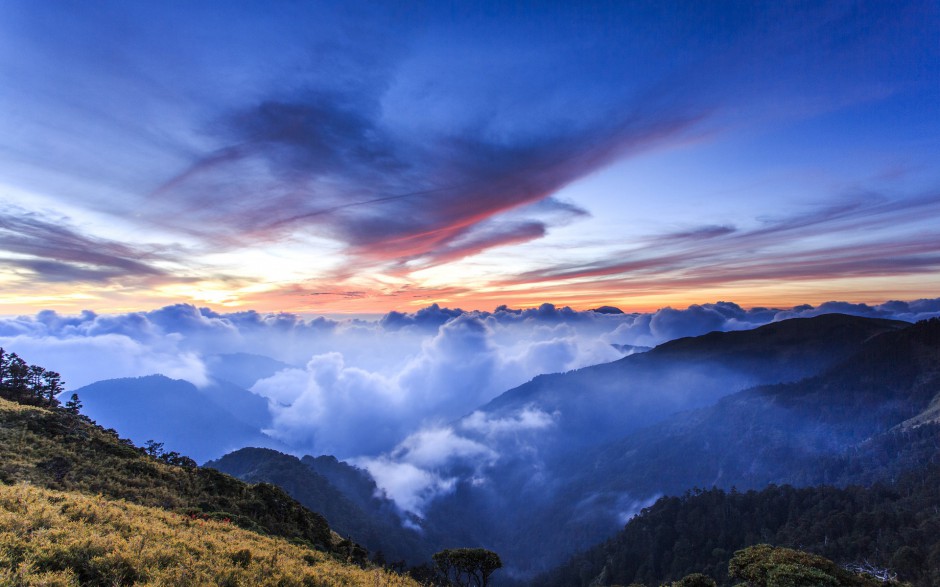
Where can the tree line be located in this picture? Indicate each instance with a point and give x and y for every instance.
(29, 384)
(891, 526)
(33, 385)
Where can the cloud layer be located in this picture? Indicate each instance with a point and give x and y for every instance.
(360, 387)
(399, 393)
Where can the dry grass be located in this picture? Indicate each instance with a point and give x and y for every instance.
(58, 538)
(56, 450)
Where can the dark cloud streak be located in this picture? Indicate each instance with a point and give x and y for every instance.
(59, 253)
(711, 255)
(324, 161)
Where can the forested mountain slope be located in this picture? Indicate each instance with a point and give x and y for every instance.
(890, 526)
(608, 401)
(344, 495)
(782, 433)
(562, 482)
(848, 425)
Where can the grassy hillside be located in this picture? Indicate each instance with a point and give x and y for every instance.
(56, 538)
(58, 450)
(80, 505)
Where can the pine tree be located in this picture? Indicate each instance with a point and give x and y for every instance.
(74, 405)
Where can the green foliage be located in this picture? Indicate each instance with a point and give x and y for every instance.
(765, 566)
(74, 405)
(65, 451)
(892, 526)
(467, 566)
(694, 580)
(28, 384)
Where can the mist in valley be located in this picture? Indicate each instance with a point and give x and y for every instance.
(512, 429)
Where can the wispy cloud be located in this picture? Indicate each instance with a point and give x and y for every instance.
(890, 238)
(326, 163)
(54, 251)
(382, 143)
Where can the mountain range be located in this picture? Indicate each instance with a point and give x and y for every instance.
(567, 459)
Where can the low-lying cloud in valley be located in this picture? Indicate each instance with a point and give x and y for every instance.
(398, 394)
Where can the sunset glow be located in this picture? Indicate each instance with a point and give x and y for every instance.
(361, 158)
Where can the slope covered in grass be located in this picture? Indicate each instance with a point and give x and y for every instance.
(58, 450)
(59, 538)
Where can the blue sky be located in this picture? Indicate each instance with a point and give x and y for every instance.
(351, 157)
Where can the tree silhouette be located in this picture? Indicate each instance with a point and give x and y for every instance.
(28, 384)
(74, 405)
(467, 567)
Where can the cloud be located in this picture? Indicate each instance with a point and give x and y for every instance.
(328, 163)
(52, 251)
(413, 475)
(410, 487)
(431, 462)
(325, 407)
(84, 360)
(328, 407)
(795, 247)
(401, 391)
(669, 323)
(436, 447)
(526, 420)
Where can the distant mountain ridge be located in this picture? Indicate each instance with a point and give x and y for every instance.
(630, 449)
(243, 369)
(606, 401)
(762, 435)
(203, 423)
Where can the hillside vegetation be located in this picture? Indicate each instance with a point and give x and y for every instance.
(890, 526)
(344, 495)
(56, 538)
(58, 450)
(621, 433)
(81, 506)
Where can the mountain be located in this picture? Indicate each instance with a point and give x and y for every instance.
(202, 423)
(243, 369)
(888, 526)
(778, 433)
(819, 389)
(608, 401)
(850, 424)
(351, 506)
(80, 505)
(241, 404)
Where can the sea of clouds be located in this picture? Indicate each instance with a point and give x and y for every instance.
(398, 393)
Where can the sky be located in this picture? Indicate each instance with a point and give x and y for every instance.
(345, 157)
